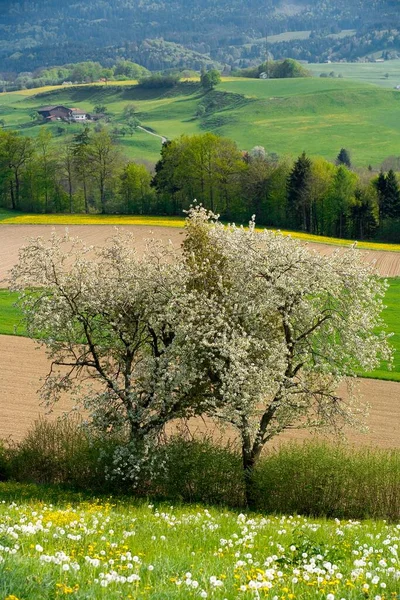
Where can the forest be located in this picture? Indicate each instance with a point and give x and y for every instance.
(90, 175)
(35, 35)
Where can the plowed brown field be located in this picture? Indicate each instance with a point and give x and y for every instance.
(22, 365)
(12, 237)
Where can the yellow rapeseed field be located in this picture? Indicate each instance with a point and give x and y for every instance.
(9, 218)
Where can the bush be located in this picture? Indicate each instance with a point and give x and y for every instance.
(159, 81)
(314, 478)
(4, 463)
(201, 471)
(62, 452)
(329, 480)
(280, 69)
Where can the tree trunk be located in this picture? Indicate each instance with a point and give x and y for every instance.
(16, 190)
(102, 197)
(248, 471)
(85, 196)
(70, 194)
(13, 206)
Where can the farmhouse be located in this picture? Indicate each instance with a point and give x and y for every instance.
(63, 113)
(54, 113)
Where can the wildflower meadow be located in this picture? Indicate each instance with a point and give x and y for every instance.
(106, 550)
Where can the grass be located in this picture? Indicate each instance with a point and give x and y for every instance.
(10, 323)
(99, 549)
(391, 316)
(10, 317)
(316, 115)
(362, 72)
(325, 114)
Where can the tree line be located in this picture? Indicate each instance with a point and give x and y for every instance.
(89, 174)
(81, 72)
(311, 195)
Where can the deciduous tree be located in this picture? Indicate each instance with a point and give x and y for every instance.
(251, 329)
(289, 325)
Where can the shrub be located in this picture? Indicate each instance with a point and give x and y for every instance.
(4, 462)
(159, 81)
(62, 452)
(330, 480)
(201, 471)
(314, 478)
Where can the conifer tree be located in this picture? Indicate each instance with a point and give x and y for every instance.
(343, 158)
(391, 205)
(80, 145)
(299, 183)
(363, 214)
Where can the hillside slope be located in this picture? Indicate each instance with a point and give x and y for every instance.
(285, 116)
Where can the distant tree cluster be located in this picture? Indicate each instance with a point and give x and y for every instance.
(209, 79)
(82, 72)
(311, 195)
(281, 69)
(91, 175)
(157, 81)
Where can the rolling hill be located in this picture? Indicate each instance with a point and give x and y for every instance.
(319, 115)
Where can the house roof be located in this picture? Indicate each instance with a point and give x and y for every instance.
(78, 111)
(49, 108)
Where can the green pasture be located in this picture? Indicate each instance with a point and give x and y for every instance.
(108, 549)
(391, 315)
(10, 316)
(319, 115)
(10, 323)
(288, 36)
(316, 115)
(362, 72)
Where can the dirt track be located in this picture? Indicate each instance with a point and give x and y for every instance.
(12, 237)
(21, 366)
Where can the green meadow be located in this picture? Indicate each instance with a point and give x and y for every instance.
(10, 316)
(11, 323)
(319, 115)
(99, 549)
(391, 315)
(386, 74)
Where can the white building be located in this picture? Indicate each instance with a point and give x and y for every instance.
(78, 115)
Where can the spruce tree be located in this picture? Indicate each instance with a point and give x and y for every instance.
(343, 158)
(298, 189)
(380, 185)
(363, 215)
(391, 205)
